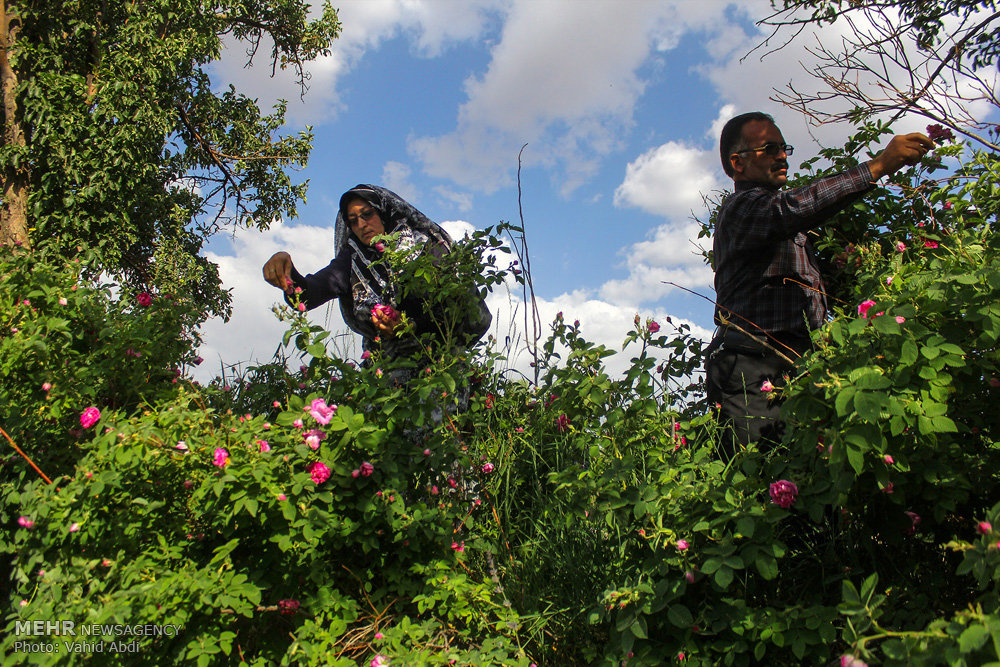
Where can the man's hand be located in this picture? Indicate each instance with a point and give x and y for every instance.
(903, 150)
(278, 272)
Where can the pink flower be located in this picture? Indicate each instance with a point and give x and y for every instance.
(264, 447)
(864, 306)
(682, 545)
(301, 307)
(106, 563)
(388, 312)
(947, 206)
(458, 546)
(276, 404)
(937, 133)
(379, 635)
(73, 527)
(366, 355)
(767, 386)
(888, 459)
(900, 246)
(181, 445)
(427, 452)
(889, 488)
(915, 521)
(783, 493)
(380, 246)
(289, 607)
(519, 429)
(298, 423)
(63, 301)
(562, 423)
(266, 426)
(984, 527)
(366, 469)
(653, 327)
(487, 468)
(900, 319)
(314, 437)
(282, 496)
(850, 661)
(930, 244)
(25, 522)
(319, 472)
(321, 412)
(144, 299)
(220, 457)
(89, 417)
(689, 575)
(46, 386)
(379, 661)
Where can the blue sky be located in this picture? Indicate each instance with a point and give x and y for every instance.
(619, 101)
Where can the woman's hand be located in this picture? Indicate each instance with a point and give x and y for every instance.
(278, 272)
(385, 319)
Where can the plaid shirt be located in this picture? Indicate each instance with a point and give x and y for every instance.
(760, 248)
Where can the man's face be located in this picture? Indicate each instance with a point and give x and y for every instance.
(758, 166)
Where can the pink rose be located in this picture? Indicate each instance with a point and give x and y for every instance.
(900, 319)
(264, 447)
(850, 661)
(282, 496)
(73, 527)
(984, 527)
(388, 312)
(321, 412)
(319, 472)
(89, 417)
(366, 469)
(653, 327)
(562, 423)
(864, 307)
(25, 522)
(930, 244)
(487, 468)
(46, 386)
(888, 459)
(220, 457)
(767, 386)
(900, 246)
(783, 493)
(682, 545)
(314, 437)
(458, 546)
(144, 299)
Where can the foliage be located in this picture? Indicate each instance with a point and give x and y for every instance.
(129, 148)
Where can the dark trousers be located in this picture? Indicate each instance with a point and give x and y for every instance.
(734, 375)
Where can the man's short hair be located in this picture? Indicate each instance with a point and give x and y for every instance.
(732, 136)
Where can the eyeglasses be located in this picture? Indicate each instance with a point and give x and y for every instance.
(365, 215)
(771, 148)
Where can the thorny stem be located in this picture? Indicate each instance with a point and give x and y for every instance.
(26, 458)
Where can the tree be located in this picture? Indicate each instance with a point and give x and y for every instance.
(933, 59)
(114, 137)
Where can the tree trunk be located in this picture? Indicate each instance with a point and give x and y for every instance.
(14, 207)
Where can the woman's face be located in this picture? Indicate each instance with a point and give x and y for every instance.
(363, 220)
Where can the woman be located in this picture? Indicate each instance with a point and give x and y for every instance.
(362, 283)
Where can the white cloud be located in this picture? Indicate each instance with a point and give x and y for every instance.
(253, 333)
(601, 322)
(396, 177)
(434, 26)
(670, 180)
(563, 79)
(460, 200)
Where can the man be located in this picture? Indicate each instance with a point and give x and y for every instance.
(769, 289)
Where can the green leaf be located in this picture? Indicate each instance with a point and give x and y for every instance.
(972, 638)
(680, 616)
